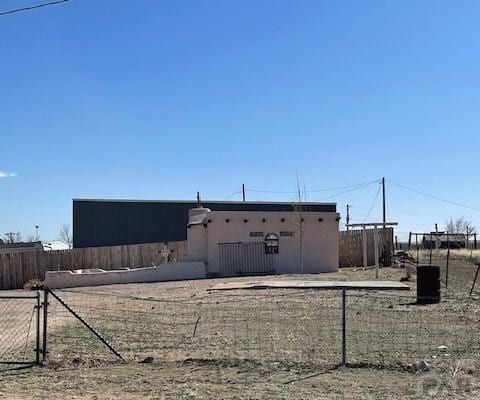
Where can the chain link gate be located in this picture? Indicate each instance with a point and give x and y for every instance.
(20, 322)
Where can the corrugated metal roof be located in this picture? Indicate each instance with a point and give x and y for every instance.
(117, 222)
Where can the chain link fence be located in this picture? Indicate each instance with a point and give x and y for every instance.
(19, 329)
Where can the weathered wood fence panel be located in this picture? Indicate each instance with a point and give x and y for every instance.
(16, 269)
(351, 246)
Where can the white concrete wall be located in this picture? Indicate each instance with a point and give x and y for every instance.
(164, 272)
(197, 240)
(320, 237)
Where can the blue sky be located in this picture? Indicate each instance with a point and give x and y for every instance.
(159, 99)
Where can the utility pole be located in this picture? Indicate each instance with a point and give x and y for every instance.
(198, 199)
(384, 206)
(348, 216)
(36, 233)
(243, 191)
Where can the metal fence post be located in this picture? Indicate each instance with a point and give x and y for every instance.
(475, 280)
(448, 260)
(37, 338)
(45, 324)
(344, 326)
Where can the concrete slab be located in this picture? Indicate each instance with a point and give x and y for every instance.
(320, 285)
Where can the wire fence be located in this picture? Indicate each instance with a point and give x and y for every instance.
(269, 327)
(458, 268)
(149, 322)
(274, 326)
(19, 317)
(390, 329)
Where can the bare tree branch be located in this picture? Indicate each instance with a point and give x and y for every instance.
(12, 237)
(65, 235)
(460, 225)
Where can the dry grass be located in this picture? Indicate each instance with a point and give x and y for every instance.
(257, 344)
(183, 320)
(461, 269)
(194, 380)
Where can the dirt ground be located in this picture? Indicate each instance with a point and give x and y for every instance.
(194, 380)
(71, 373)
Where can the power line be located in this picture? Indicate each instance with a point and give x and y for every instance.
(373, 203)
(348, 191)
(313, 190)
(233, 194)
(434, 197)
(269, 191)
(33, 7)
(343, 187)
(350, 188)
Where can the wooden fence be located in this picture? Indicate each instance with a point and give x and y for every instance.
(351, 246)
(16, 269)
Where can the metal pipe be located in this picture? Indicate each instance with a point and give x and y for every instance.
(448, 260)
(45, 324)
(376, 255)
(37, 335)
(475, 280)
(344, 327)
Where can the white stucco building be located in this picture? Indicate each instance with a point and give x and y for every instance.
(300, 239)
(252, 242)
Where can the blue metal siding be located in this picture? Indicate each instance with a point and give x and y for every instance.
(111, 223)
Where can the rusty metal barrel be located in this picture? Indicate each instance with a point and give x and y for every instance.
(428, 284)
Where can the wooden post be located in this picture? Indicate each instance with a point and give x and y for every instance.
(348, 217)
(431, 249)
(375, 241)
(396, 242)
(475, 241)
(409, 240)
(364, 243)
(384, 204)
(416, 245)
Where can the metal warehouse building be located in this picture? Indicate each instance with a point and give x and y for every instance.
(119, 222)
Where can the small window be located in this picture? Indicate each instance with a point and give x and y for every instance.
(271, 244)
